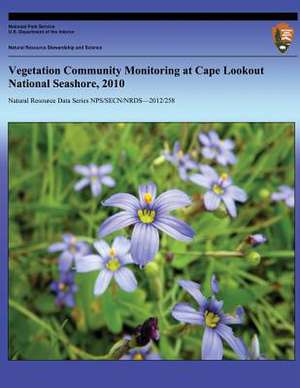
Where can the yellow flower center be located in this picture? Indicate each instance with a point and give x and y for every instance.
(180, 154)
(211, 319)
(112, 252)
(148, 198)
(113, 264)
(218, 189)
(146, 216)
(224, 176)
(61, 286)
(138, 357)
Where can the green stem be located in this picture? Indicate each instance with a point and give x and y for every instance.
(116, 352)
(278, 254)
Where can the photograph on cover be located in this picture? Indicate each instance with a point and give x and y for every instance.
(151, 241)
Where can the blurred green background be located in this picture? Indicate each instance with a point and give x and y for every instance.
(43, 205)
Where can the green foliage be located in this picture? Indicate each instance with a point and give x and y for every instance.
(43, 205)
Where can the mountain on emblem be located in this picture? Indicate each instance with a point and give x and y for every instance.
(283, 36)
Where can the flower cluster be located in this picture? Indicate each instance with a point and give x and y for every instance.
(148, 215)
(71, 250)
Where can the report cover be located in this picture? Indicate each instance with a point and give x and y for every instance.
(148, 194)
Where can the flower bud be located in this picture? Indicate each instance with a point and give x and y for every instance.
(147, 332)
(152, 269)
(159, 160)
(253, 258)
(264, 194)
(256, 239)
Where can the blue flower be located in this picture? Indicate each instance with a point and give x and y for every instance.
(141, 354)
(94, 176)
(285, 194)
(220, 189)
(217, 149)
(213, 319)
(148, 214)
(64, 289)
(71, 249)
(111, 262)
(256, 239)
(181, 161)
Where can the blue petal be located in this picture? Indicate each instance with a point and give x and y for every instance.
(96, 187)
(214, 284)
(175, 228)
(105, 169)
(148, 188)
(212, 347)
(231, 320)
(230, 205)
(102, 248)
(176, 147)
(123, 201)
(211, 201)
(56, 247)
(214, 137)
(234, 342)
(102, 281)
(221, 159)
(126, 259)
(171, 200)
(201, 180)
(228, 144)
(121, 245)
(83, 170)
(183, 312)
(204, 139)
(89, 263)
(69, 300)
(290, 201)
(236, 193)
(182, 173)
(108, 181)
(286, 189)
(215, 305)
(81, 184)
(278, 196)
(152, 356)
(209, 172)
(116, 222)
(65, 261)
(231, 157)
(125, 279)
(193, 289)
(208, 153)
(144, 243)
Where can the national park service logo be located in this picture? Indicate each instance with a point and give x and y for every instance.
(283, 36)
